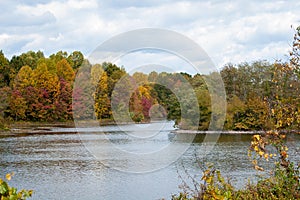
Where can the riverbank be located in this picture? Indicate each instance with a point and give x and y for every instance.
(25, 127)
(230, 132)
(22, 127)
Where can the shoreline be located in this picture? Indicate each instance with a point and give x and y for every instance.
(21, 128)
(24, 128)
(229, 132)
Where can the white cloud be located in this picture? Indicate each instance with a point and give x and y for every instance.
(154, 60)
(230, 31)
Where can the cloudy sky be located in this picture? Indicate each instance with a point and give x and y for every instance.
(229, 31)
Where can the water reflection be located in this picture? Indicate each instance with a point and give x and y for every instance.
(58, 166)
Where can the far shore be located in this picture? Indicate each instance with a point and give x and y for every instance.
(23, 128)
(248, 132)
(182, 131)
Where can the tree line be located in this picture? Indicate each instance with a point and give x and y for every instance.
(38, 88)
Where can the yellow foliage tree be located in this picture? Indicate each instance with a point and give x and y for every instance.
(65, 70)
(23, 78)
(44, 79)
(102, 101)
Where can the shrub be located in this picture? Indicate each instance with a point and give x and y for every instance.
(11, 193)
(283, 183)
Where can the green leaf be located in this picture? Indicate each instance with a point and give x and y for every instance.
(3, 188)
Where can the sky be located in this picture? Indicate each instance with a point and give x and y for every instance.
(228, 31)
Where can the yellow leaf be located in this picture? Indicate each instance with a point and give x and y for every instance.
(282, 136)
(273, 112)
(8, 177)
(284, 154)
(257, 137)
(258, 168)
(266, 156)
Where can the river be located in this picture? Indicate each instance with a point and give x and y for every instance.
(60, 163)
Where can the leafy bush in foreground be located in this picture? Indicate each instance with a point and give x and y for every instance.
(283, 184)
(11, 193)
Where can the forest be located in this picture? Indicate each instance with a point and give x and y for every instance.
(260, 96)
(36, 88)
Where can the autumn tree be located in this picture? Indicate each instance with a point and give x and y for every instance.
(166, 97)
(140, 103)
(76, 59)
(253, 115)
(4, 71)
(229, 75)
(24, 78)
(65, 71)
(47, 85)
(63, 102)
(19, 105)
(114, 74)
(152, 77)
(44, 79)
(83, 91)
(30, 59)
(284, 104)
(5, 96)
(121, 98)
(140, 77)
(204, 102)
(58, 56)
(102, 100)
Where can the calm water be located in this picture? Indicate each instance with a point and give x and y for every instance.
(59, 166)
